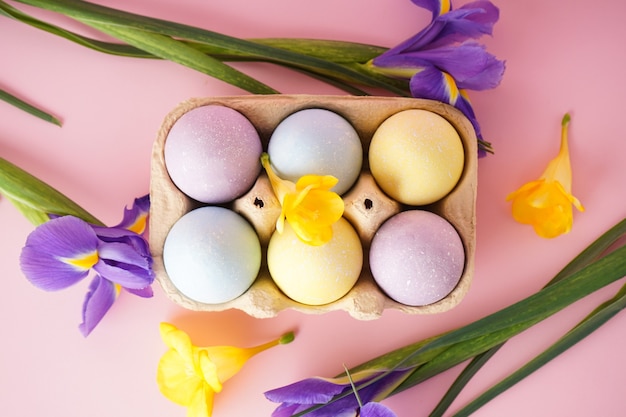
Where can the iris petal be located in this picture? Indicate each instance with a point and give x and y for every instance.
(375, 410)
(141, 292)
(470, 21)
(433, 84)
(119, 235)
(135, 217)
(121, 264)
(44, 258)
(98, 301)
(437, 7)
(307, 391)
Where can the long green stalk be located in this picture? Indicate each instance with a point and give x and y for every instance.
(36, 199)
(95, 16)
(29, 108)
(591, 253)
(591, 323)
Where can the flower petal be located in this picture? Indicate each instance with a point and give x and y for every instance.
(437, 7)
(307, 391)
(436, 85)
(176, 339)
(320, 182)
(135, 218)
(431, 83)
(141, 292)
(469, 21)
(209, 370)
(56, 253)
(122, 264)
(176, 373)
(201, 404)
(374, 409)
(303, 394)
(120, 235)
(178, 381)
(471, 66)
(98, 301)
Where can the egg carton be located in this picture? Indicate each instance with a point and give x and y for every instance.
(366, 206)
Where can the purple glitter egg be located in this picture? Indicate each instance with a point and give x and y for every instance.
(417, 257)
(212, 154)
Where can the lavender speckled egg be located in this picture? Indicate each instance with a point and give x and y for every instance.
(417, 257)
(319, 142)
(212, 154)
(212, 255)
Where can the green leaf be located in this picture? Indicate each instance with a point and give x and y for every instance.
(176, 51)
(583, 329)
(36, 199)
(33, 215)
(92, 14)
(591, 253)
(100, 46)
(21, 104)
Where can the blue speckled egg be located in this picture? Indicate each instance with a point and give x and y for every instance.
(212, 255)
(316, 141)
(212, 154)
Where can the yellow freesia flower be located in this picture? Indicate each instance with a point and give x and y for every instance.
(546, 203)
(190, 375)
(309, 206)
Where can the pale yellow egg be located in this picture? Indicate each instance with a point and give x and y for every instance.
(315, 275)
(416, 157)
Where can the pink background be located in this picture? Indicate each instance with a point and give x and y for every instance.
(562, 56)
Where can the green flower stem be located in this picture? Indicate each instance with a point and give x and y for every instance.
(463, 379)
(176, 51)
(597, 318)
(36, 199)
(97, 16)
(22, 105)
(100, 46)
(591, 253)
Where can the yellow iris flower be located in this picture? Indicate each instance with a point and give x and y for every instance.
(308, 206)
(546, 203)
(190, 375)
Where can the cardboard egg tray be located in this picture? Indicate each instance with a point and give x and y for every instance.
(366, 206)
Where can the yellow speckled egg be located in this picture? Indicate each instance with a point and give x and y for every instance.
(315, 275)
(416, 157)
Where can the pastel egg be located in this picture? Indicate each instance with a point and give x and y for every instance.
(416, 157)
(315, 275)
(212, 255)
(417, 257)
(319, 142)
(212, 154)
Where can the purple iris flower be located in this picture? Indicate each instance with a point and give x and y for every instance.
(443, 60)
(312, 392)
(64, 250)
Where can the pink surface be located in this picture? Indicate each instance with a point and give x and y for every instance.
(562, 56)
